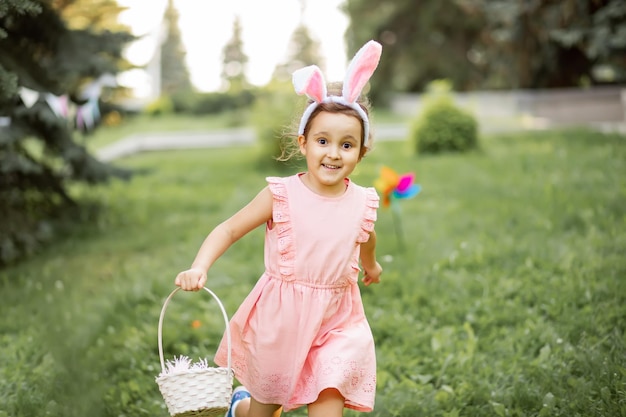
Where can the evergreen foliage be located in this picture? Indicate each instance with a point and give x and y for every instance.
(174, 72)
(303, 50)
(276, 111)
(39, 156)
(235, 61)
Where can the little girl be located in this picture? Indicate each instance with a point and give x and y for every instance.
(301, 336)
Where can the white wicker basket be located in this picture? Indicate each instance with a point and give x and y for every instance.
(196, 392)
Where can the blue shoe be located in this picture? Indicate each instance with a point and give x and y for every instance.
(239, 394)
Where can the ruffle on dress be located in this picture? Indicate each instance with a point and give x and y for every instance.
(369, 217)
(282, 226)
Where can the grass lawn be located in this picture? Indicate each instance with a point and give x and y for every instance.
(508, 300)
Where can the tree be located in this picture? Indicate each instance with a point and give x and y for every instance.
(234, 60)
(491, 44)
(422, 41)
(39, 156)
(96, 15)
(545, 44)
(302, 51)
(174, 72)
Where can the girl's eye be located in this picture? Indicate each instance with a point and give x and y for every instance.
(322, 141)
(347, 145)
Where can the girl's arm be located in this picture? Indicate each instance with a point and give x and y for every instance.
(371, 268)
(254, 214)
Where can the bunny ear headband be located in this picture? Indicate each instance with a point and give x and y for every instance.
(310, 81)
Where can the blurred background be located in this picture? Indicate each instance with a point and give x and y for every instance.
(70, 66)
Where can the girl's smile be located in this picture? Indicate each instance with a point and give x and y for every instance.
(332, 150)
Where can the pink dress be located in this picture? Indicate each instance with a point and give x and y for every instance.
(302, 328)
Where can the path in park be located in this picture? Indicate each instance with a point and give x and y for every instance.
(147, 142)
(155, 141)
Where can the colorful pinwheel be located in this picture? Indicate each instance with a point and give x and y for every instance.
(394, 187)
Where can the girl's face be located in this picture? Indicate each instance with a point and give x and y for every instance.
(332, 150)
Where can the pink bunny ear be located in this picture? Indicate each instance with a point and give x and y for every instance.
(310, 81)
(361, 69)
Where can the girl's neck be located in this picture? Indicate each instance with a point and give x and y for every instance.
(332, 191)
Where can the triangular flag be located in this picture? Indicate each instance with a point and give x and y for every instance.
(28, 96)
(57, 104)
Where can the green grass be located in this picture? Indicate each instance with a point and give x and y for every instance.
(508, 300)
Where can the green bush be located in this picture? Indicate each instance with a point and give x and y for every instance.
(184, 102)
(202, 104)
(273, 114)
(162, 105)
(443, 126)
(213, 103)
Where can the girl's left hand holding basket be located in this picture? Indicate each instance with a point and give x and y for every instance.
(191, 280)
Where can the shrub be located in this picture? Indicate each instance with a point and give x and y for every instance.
(214, 103)
(443, 126)
(272, 115)
(162, 105)
(184, 101)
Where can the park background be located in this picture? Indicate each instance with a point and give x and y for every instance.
(505, 294)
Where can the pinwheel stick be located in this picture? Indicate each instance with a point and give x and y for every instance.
(395, 187)
(397, 224)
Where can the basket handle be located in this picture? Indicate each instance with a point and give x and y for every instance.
(160, 330)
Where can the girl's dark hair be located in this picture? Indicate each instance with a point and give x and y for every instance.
(289, 138)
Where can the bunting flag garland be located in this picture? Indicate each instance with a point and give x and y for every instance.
(87, 114)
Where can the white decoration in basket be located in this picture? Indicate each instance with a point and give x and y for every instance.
(182, 364)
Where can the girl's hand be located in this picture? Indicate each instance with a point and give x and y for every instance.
(191, 279)
(372, 276)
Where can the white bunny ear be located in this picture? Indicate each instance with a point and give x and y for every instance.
(310, 81)
(361, 69)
